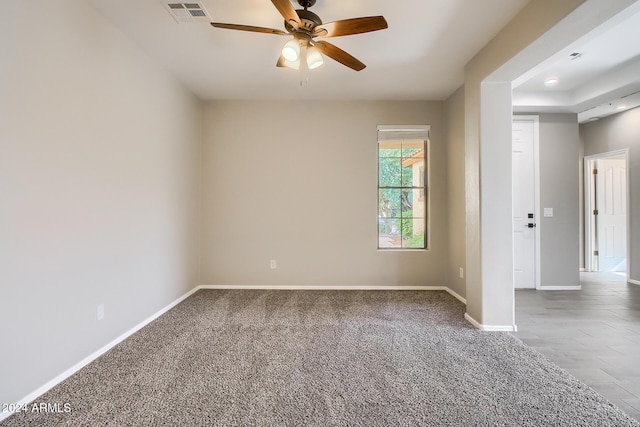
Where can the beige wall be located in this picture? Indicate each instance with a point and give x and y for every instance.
(559, 189)
(295, 181)
(617, 132)
(99, 184)
(455, 190)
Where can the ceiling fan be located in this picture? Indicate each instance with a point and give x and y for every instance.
(304, 25)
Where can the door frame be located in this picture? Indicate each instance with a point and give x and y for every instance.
(589, 205)
(536, 191)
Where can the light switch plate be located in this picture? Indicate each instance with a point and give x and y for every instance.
(548, 212)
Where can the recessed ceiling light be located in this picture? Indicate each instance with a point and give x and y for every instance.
(621, 107)
(551, 81)
(593, 119)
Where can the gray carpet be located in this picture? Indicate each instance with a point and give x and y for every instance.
(322, 358)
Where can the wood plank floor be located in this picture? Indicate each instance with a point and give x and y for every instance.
(593, 334)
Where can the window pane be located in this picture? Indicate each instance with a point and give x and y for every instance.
(389, 172)
(406, 202)
(386, 225)
(413, 172)
(389, 226)
(407, 174)
(412, 225)
(388, 241)
(413, 203)
(407, 229)
(389, 151)
(413, 232)
(389, 202)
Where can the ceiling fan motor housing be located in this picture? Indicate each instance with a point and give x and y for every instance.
(308, 20)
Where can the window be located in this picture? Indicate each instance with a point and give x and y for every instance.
(403, 187)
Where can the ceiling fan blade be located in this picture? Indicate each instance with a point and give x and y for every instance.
(249, 28)
(339, 55)
(347, 27)
(286, 10)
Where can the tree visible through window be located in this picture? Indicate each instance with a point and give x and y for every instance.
(402, 188)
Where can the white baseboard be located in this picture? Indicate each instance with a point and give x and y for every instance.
(490, 328)
(560, 288)
(327, 287)
(456, 295)
(93, 356)
(633, 282)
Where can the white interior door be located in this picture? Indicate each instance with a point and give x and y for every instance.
(524, 208)
(611, 199)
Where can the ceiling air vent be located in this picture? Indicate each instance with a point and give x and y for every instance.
(187, 12)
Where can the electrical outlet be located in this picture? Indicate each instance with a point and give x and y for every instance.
(461, 273)
(273, 264)
(100, 312)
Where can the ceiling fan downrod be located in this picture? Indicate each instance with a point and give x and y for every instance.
(306, 3)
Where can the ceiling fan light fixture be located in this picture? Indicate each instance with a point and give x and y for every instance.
(291, 50)
(314, 58)
(294, 65)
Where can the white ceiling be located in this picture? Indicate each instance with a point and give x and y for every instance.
(604, 79)
(421, 56)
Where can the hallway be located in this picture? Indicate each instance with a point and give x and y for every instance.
(594, 334)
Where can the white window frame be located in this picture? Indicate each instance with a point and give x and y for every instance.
(407, 132)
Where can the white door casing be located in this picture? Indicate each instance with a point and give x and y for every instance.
(525, 206)
(616, 177)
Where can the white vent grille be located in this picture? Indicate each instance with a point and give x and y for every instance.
(187, 12)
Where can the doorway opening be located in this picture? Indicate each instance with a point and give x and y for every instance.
(606, 212)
